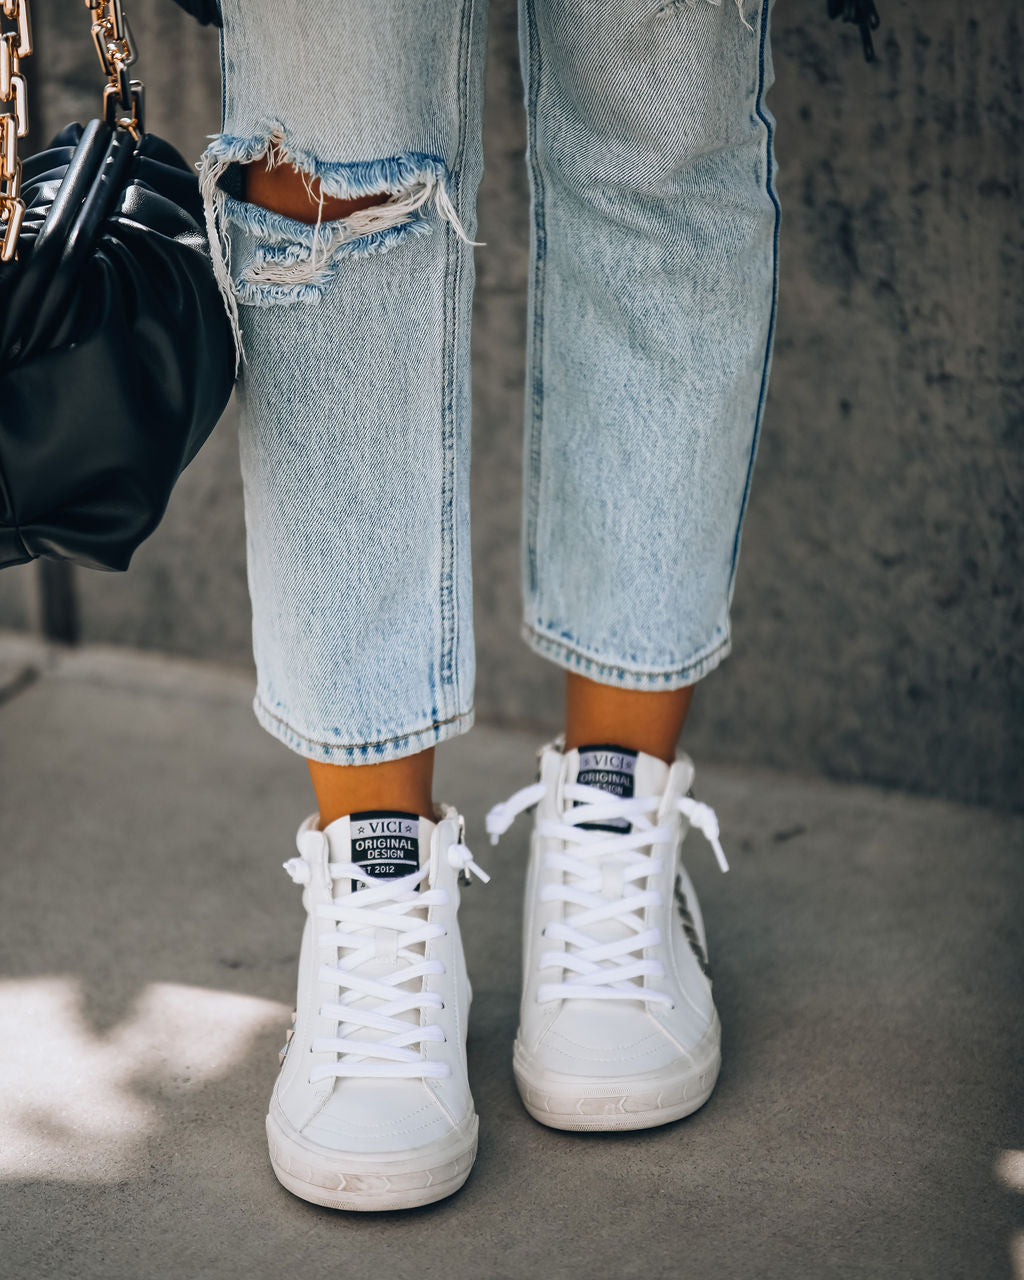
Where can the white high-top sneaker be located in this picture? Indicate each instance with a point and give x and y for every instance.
(372, 1108)
(617, 1026)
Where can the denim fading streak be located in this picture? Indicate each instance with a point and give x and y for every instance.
(651, 312)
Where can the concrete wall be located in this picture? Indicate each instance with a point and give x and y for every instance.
(879, 600)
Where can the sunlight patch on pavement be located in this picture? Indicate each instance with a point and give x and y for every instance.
(78, 1106)
(1010, 1169)
(1009, 1173)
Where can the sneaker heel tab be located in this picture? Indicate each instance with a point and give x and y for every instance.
(450, 826)
(311, 844)
(314, 848)
(682, 773)
(312, 823)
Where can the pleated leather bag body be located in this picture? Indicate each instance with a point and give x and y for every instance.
(116, 353)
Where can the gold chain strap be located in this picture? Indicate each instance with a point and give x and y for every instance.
(122, 97)
(15, 44)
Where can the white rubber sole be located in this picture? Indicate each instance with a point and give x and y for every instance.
(590, 1103)
(370, 1183)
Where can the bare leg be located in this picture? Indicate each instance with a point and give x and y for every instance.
(283, 189)
(648, 722)
(404, 784)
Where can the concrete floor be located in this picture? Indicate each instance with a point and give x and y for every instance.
(867, 950)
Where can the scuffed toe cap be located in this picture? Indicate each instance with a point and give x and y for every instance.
(377, 1116)
(604, 1039)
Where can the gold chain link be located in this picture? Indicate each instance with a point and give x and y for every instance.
(15, 44)
(122, 97)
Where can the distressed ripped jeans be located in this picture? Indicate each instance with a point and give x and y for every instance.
(653, 276)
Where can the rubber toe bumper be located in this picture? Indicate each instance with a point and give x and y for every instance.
(607, 1105)
(370, 1183)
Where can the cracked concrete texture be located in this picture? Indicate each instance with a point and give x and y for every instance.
(878, 606)
(866, 948)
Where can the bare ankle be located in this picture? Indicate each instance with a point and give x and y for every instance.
(405, 784)
(643, 721)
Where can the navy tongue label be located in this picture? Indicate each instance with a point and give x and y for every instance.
(611, 768)
(385, 842)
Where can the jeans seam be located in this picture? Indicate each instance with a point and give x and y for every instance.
(221, 36)
(535, 399)
(541, 642)
(769, 341)
(449, 428)
(359, 746)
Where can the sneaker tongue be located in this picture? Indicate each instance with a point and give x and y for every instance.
(388, 843)
(620, 771)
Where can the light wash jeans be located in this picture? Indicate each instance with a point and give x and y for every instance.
(653, 281)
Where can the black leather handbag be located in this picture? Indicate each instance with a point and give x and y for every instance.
(116, 353)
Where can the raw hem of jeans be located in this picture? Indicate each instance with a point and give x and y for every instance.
(376, 752)
(281, 229)
(626, 677)
(347, 179)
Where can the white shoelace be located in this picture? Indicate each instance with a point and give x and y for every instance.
(599, 969)
(383, 918)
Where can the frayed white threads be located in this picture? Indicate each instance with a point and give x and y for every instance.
(329, 238)
(299, 268)
(717, 4)
(210, 171)
(743, 16)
